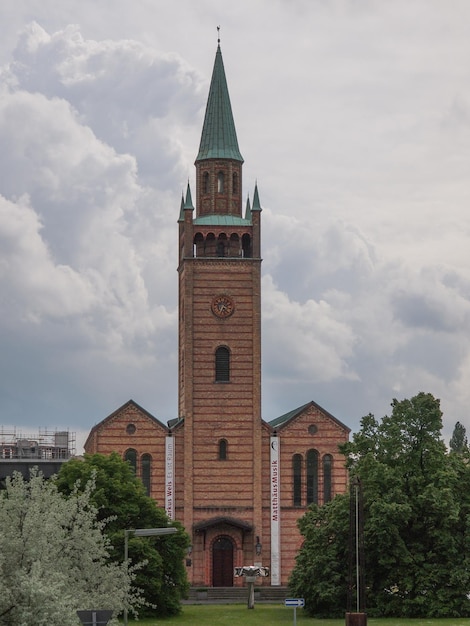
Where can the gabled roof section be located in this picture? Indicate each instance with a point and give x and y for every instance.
(121, 409)
(219, 137)
(175, 423)
(283, 420)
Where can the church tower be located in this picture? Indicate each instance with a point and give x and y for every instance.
(237, 483)
(219, 383)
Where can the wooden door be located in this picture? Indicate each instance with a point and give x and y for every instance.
(222, 562)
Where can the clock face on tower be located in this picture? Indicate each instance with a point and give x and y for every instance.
(222, 306)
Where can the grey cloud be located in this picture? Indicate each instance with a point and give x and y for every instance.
(422, 311)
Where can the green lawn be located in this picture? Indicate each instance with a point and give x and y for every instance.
(267, 614)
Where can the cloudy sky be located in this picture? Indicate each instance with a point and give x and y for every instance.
(354, 118)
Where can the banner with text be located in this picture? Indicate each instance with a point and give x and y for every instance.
(275, 514)
(170, 477)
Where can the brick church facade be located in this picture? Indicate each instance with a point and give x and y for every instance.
(237, 483)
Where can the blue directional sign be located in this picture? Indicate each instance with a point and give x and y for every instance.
(296, 602)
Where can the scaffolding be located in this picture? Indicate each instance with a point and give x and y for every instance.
(43, 445)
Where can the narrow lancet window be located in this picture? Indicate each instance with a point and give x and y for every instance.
(234, 183)
(297, 479)
(220, 182)
(205, 182)
(327, 467)
(312, 477)
(146, 463)
(222, 365)
(223, 450)
(131, 456)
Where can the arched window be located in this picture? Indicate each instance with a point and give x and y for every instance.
(223, 450)
(234, 183)
(246, 246)
(234, 245)
(146, 464)
(205, 182)
(312, 477)
(327, 467)
(210, 245)
(198, 245)
(220, 182)
(131, 456)
(220, 248)
(297, 479)
(222, 365)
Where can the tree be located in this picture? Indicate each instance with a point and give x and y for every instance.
(458, 442)
(417, 519)
(54, 556)
(120, 495)
(321, 572)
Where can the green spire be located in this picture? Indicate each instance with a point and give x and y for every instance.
(248, 209)
(219, 137)
(256, 204)
(188, 204)
(181, 216)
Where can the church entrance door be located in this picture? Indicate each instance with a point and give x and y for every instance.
(222, 562)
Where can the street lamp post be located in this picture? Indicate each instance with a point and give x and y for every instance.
(143, 532)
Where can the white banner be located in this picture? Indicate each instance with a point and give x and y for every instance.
(170, 477)
(275, 514)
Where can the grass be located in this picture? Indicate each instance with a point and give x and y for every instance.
(275, 614)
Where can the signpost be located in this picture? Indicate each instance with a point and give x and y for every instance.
(295, 603)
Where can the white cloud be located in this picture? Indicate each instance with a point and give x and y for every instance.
(130, 96)
(307, 336)
(32, 285)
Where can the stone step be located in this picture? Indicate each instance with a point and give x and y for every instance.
(225, 595)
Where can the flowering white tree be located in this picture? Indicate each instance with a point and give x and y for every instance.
(54, 557)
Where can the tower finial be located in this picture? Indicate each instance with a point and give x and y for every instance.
(218, 34)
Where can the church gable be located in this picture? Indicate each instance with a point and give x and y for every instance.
(313, 470)
(139, 438)
(310, 411)
(128, 422)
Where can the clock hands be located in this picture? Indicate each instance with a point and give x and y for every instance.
(222, 306)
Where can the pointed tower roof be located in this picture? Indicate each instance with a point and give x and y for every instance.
(219, 137)
(256, 204)
(248, 209)
(188, 204)
(181, 215)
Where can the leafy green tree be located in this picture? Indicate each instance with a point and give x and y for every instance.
(54, 556)
(459, 442)
(417, 519)
(321, 572)
(120, 497)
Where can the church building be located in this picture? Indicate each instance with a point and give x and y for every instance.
(236, 482)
